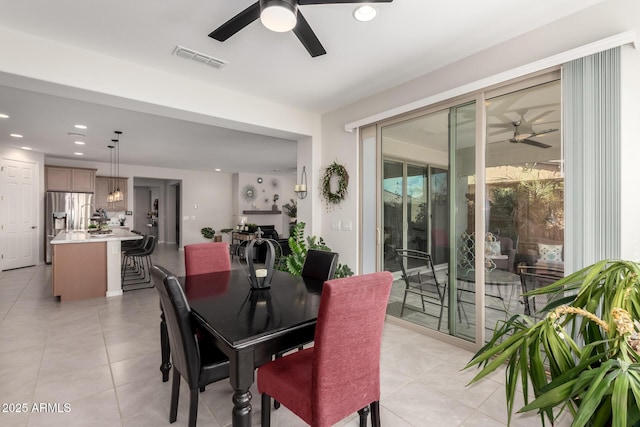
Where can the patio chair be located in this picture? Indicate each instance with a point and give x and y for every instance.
(420, 279)
(533, 278)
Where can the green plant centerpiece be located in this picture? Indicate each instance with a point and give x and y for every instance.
(299, 246)
(208, 232)
(583, 357)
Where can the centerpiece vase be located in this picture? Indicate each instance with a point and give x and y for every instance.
(260, 278)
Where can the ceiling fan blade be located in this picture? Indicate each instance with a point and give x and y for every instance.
(501, 125)
(540, 116)
(307, 37)
(543, 132)
(534, 143)
(238, 22)
(305, 2)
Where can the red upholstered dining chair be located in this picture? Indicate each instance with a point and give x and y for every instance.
(202, 258)
(318, 265)
(340, 374)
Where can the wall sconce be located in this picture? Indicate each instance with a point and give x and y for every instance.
(301, 189)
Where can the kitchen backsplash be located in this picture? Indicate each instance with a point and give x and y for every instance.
(114, 218)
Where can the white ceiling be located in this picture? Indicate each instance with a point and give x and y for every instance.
(409, 38)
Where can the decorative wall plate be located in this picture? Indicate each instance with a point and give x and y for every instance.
(248, 193)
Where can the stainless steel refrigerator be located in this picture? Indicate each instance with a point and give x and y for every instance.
(64, 212)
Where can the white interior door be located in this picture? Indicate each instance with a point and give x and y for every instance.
(141, 207)
(18, 214)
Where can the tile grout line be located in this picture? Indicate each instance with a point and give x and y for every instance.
(113, 382)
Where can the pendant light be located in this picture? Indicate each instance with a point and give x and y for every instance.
(111, 186)
(117, 194)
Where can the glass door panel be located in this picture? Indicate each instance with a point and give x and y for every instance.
(524, 191)
(417, 210)
(439, 192)
(393, 188)
(462, 134)
(418, 213)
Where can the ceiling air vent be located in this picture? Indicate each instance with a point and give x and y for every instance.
(183, 52)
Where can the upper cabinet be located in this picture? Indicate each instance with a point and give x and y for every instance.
(75, 180)
(101, 199)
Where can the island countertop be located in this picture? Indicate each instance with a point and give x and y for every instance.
(81, 236)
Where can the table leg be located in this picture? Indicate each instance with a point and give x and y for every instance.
(241, 377)
(241, 415)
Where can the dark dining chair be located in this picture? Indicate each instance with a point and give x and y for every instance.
(533, 278)
(340, 374)
(319, 265)
(198, 364)
(202, 258)
(199, 258)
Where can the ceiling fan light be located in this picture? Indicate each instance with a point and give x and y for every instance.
(278, 15)
(365, 13)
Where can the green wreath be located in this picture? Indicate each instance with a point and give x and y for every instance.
(339, 171)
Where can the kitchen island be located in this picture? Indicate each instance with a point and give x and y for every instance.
(87, 265)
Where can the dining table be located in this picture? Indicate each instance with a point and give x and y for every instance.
(251, 325)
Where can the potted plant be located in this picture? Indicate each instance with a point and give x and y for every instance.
(291, 209)
(208, 233)
(583, 356)
(299, 246)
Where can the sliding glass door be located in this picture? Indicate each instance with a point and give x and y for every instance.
(417, 213)
(478, 186)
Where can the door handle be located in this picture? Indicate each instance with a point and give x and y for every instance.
(33, 227)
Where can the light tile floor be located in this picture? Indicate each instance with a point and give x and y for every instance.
(95, 363)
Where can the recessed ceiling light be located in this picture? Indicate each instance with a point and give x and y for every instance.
(78, 153)
(3, 116)
(365, 13)
(217, 169)
(26, 148)
(15, 135)
(79, 126)
(79, 142)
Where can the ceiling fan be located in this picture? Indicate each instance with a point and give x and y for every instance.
(525, 138)
(281, 16)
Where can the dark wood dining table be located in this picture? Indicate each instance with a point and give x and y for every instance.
(251, 325)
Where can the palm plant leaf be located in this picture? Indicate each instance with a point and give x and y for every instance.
(583, 356)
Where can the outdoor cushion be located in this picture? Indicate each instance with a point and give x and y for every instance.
(492, 249)
(550, 253)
